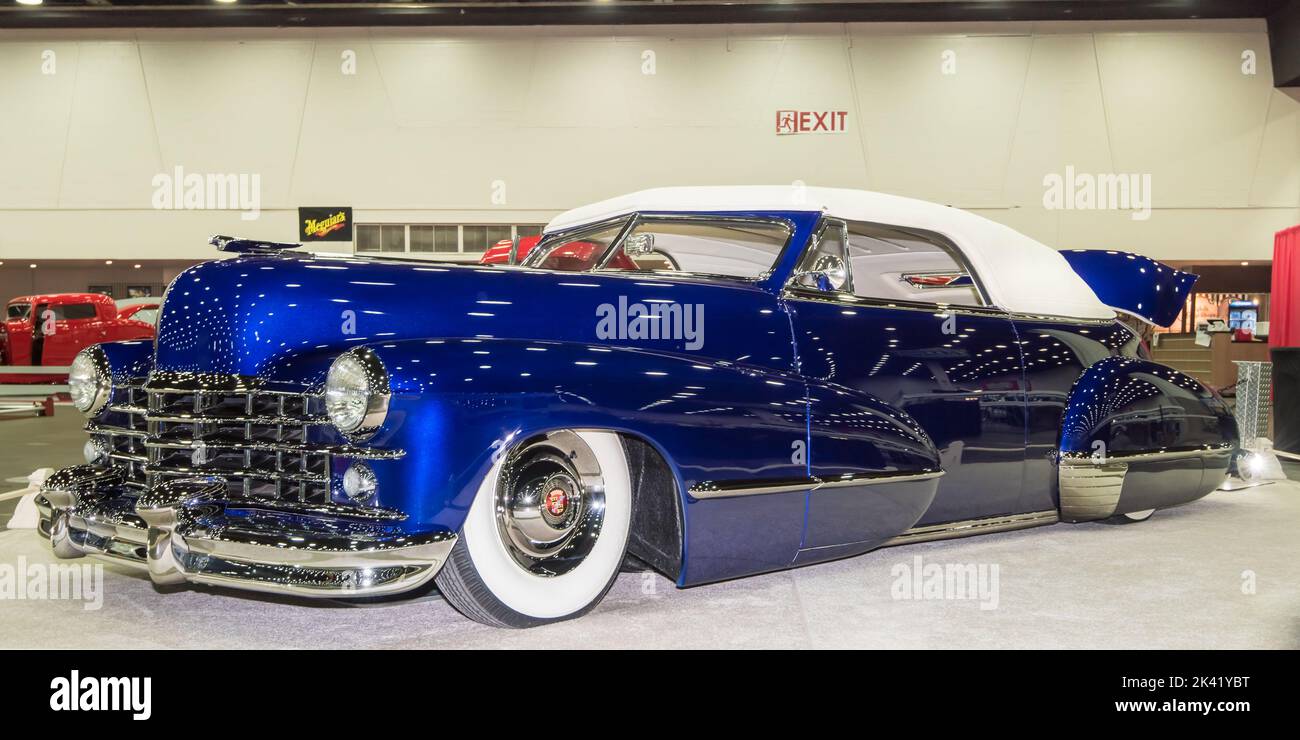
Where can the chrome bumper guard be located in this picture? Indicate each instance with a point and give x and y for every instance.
(187, 531)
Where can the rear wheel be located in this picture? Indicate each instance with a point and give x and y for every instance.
(1133, 517)
(546, 534)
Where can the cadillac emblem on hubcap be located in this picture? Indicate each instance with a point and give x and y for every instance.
(557, 502)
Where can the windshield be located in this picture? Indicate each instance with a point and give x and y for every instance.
(702, 245)
(579, 250)
(147, 315)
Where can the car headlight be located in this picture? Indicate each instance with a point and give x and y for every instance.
(89, 380)
(356, 393)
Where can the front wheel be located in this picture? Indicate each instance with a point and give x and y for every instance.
(546, 534)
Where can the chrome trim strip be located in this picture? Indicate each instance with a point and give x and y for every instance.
(174, 381)
(151, 468)
(97, 428)
(972, 527)
(724, 489)
(871, 479)
(360, 453)
(758, 487)
(846, 299)
(934, 308)
(1083, 459)
(259, 420)
(135, 410)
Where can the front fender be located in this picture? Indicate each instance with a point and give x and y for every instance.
(457, 403)
(128, 360)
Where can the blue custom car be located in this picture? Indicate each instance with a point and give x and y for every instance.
(718, 381)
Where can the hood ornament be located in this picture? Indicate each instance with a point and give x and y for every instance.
(248, 246)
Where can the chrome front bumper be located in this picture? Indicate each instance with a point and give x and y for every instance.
(190, 531)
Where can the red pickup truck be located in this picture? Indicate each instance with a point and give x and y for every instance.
(51, 329)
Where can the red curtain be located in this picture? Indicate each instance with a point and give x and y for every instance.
(1284, 303)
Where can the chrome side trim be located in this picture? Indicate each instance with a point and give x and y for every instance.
(758, 487)
(1143, 457)
(943, 309)
(971, 527)
(725, 489)
(871, 479)
(848, 299)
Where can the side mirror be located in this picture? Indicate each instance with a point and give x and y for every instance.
(638, 245)
(828, 273)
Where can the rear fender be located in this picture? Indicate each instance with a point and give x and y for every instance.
(1137, 435)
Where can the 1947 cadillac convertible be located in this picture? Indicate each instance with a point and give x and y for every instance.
(717, 381)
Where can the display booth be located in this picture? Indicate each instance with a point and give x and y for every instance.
(1284, 341)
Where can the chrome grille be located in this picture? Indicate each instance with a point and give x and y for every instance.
(256, 439)
(122, 429)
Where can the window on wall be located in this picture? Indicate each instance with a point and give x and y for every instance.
(470, 239)
(479, 238)
(421, 238)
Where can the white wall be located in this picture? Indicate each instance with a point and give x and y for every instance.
(564, 116)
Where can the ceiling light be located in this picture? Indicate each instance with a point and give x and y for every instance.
(108, 262)
(33, 265)
(226, 2)
(1244, 263)
(29, 2)
(137, 267)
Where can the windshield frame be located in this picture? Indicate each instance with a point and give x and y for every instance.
(632, 220)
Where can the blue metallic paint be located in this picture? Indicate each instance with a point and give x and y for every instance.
(1133, 283)
(1128, 405)
(481, 358)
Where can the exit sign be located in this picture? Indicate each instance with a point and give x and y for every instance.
(811, 122)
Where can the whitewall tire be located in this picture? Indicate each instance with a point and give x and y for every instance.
(547, 533)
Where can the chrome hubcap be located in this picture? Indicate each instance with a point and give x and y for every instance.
(550, 503)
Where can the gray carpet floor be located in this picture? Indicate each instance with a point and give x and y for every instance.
(1175, 581)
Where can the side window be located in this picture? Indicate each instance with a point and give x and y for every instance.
(75, 311)
(18, 310)
(899, 265)
(574, 252)
(732, 247)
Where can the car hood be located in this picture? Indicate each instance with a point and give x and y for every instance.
(285, 316)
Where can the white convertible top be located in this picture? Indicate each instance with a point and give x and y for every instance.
(1021, 275)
